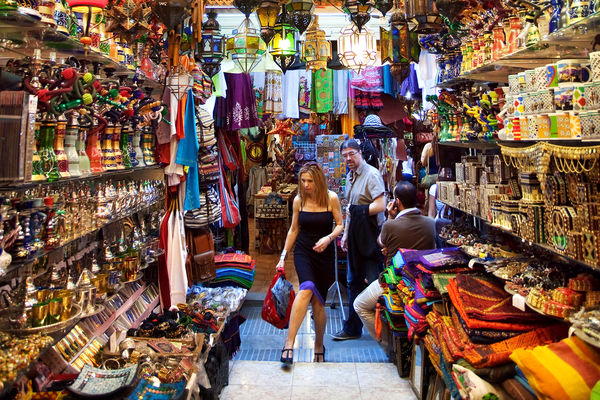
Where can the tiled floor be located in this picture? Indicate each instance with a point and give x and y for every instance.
(305, 381)
(263, 342)
(355, 369)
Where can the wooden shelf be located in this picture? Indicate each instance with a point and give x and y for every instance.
(574, 41)
(542, 246)
(116, 174)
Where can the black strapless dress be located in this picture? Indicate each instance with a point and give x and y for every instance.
(315, 270)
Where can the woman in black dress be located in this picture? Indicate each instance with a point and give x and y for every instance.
(315, 210)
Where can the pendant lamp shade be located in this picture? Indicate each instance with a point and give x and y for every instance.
(424, 14)
(246, 46)
(170, 12)
(316, 51)
(283, 46)
(267, 14)
(301, 13)
(246, 7)
(357, 49)
(335, 63)
(298, 61)
(383, 6)
(212, 45)
(179, 83)
(400, 38)
(359, 11)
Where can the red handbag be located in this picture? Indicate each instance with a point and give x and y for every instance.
(269, 312)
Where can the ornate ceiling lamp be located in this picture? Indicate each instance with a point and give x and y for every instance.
(384, 6)
(246, 7)
(399, 44)
(246, 46)
(357, 48)
(359, 11)
(88, 8)
(212, 45)
(267, 16)
(283, 46)
(128, 19)
(301, 13)
(425, 15)
(316, 50)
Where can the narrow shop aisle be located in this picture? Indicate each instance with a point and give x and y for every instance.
(267, 380)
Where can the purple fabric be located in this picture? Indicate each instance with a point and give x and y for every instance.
(240, 103)
(309, 285)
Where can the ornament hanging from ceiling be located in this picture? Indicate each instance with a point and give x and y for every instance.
(283, 46)
(246, 46)
(359, 11)
(384, 6)
(128, 19)
(212, 45)
(316, 50)
(424, 14)
(246, 7)
(267, 14)
(301, 13)
(357, 48)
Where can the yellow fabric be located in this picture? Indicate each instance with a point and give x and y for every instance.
(559, 370)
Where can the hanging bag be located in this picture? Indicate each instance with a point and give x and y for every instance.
(280, 296)
(229, 207)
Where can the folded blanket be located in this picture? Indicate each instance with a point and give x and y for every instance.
(565, 370)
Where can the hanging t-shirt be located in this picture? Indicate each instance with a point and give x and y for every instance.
(340, 92)
(321, 97)
(187, 154)
(290, 89)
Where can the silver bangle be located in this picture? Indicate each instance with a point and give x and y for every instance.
(283, 254)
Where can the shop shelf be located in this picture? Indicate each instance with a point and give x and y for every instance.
(18, 265)
(542, 246)
(21, 34)
(117, 174)
(480, 145)
(574, 41)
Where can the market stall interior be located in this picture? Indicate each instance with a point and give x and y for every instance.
(149, 185)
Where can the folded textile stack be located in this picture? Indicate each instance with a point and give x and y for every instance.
(409, 287)
(235, 270)
(568, 369)
(484, 311)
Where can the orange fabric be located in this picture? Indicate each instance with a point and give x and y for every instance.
(378, 321)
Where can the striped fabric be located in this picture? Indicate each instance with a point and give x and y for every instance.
(565, 370)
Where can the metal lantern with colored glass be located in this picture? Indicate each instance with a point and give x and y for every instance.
(267, 14)
(301, 13)
(88, 8)
(359, 11)
(283, 46)
(316, 50)
(425, 15)
(357, 48)
(246, 7)
(212, 45)
(246, 46)
(400, 37)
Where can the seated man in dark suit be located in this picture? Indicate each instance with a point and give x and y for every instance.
(405, 228)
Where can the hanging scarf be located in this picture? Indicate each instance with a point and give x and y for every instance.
(321, 95)
(187, 154)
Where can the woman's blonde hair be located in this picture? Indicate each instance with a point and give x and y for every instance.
(321, 192)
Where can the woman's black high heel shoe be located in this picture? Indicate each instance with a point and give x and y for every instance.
(320, 357)
(289, 356)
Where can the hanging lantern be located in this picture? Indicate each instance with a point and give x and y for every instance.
(179, 82)
(88, 8)
(335, 63)
(246, 7)
(246, 46)
(171, 13)
(212, 45)
(384, 6)
(400, 38)
(356, 48)
(316, 50)
(359, 11)
(267, 16)
(385, 45)
(301, 13)
(283, 46)
(425, 15)
(298, 63)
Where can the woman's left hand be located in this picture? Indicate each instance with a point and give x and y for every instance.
(322, 244)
